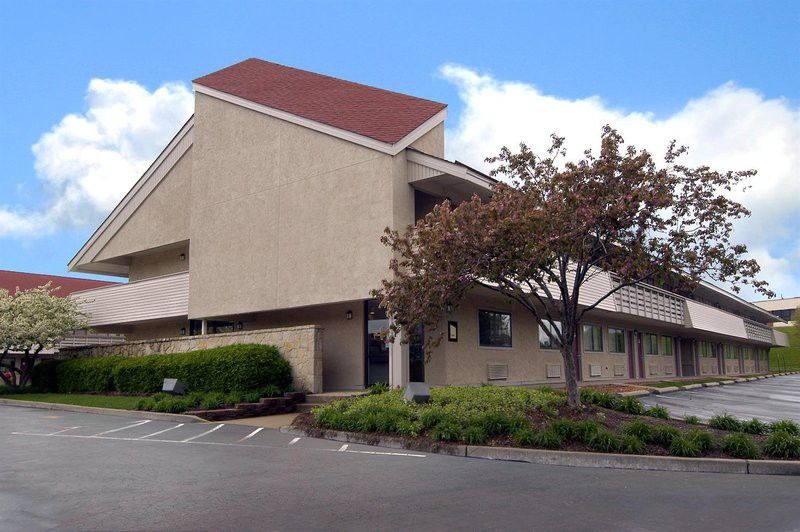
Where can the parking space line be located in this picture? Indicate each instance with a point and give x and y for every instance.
(252, 434)
(294, 441)
(63, 430)
(137, 424)
(343, 448)
(206, 433)
(161, 431)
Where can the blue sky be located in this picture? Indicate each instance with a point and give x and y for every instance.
(625, 60)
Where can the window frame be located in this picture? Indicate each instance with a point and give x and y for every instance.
(646, 344)
(542, 334)
(583, 338)
(662, 346)
(611, 347)
(510, 329)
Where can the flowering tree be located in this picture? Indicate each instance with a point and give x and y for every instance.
(552, 226)
(30, 321)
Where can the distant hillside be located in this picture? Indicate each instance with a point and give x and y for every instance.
(786, 358)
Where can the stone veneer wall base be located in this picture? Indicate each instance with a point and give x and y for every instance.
(301, 346)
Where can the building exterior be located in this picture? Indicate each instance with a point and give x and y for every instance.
(266, 211)
(13, 281)
(783, 308)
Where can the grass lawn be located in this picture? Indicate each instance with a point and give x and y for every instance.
(786, 358)
(667, 384)
(122, 402)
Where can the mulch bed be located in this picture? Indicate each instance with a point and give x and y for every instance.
(610, 419)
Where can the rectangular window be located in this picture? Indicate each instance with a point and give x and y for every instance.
(592, 338)
(666, 345)
(748, 353)
(616, 340)
(706, 349)
(494, 328)
(544, 341)
(650, 344)
(730, 352)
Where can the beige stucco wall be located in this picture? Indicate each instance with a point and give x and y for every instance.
(162, 219)
(159, 263)
(431, 142)
(344, 339)
(302, 346)
(282, 216)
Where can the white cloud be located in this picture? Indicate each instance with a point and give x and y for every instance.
(88, 161)
(728, 128)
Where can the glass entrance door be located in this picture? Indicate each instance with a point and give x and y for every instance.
(376, 350)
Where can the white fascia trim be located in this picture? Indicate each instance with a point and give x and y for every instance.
(133, 199)
(391, 149)
(446, 167)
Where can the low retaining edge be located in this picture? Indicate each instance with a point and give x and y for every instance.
(141, 414)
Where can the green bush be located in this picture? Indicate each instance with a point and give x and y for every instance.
(740, 446)
(663, 435)
(754, 426)
(495, 424)
(785, 425)
(685, 447)
(548, 439)
(564, 428)
(691, 420)
(631, 405)
(446, 430)
(584, 430)
(639, 429)
(474, 435)
(221, 369)
(725, 422)
(782, 444)
(524, 436)
(630, 444)
(603, 440)
(378, 388)
(658, 411)
(703, 440)
(430, 418)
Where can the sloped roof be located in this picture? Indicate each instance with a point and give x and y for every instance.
(11, 280)
(368, 111)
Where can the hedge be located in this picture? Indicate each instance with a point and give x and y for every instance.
(221, 369)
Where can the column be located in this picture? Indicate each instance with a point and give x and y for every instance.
(398, 362)
(678, 361)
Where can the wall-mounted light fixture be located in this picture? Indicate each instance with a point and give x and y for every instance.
(182, 256)
(239, 325)
(348, 315)
(449, 307)
(183, 331)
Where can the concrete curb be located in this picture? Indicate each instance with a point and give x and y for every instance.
(564, 458)
(140, 414)
(635, 393)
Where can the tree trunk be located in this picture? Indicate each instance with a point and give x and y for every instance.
(570, 374)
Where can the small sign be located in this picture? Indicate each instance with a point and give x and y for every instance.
(452, 331)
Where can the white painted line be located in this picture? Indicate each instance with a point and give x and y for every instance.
(203, 434)
(161, 431)
(387, 453)
(138, 424)
(252, 434)
(64, 430)
(343, 448)
(294, 441)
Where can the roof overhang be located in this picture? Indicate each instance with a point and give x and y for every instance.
(82, 261)
(440, 177)
(391, 149)
(747, 309)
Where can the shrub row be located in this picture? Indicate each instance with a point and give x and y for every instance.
(754, 426)
(162, 402)
(221, 369)
(627, 405)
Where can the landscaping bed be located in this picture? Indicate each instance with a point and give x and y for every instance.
(517, 417)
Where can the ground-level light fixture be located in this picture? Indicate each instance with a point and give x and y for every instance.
(348, 315)
(239, 325)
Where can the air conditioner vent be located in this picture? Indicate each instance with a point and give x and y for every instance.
(497, 372)
(619, 370)
(553, 371)
(595, 370)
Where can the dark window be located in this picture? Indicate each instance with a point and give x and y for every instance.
(494, 328)
(592, 338)
(650, 344)
(212, 327)
(544, 341)
(616, 340)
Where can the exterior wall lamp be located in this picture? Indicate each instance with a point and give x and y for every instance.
(182, 256)
(449, 308)
(239, 325)
(348, 315)
(183, 331)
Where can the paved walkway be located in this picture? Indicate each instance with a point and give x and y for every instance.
(765, 399)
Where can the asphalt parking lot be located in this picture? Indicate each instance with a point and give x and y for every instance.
(72, 471)
(766, 399)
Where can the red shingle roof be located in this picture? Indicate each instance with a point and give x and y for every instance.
(11, 280)
(375, 113)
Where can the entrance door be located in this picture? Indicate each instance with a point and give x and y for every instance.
(416, 356)
(687, 359)
(376, 350)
